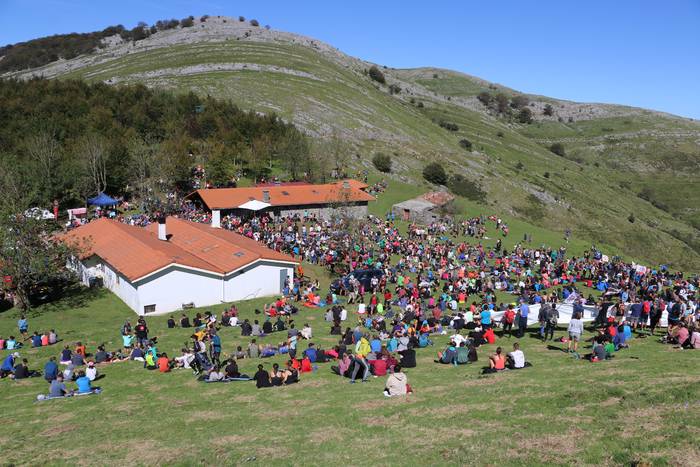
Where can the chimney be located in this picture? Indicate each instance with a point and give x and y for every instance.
(266, 196)
(216, 218)
(346, 185)
(162, 232)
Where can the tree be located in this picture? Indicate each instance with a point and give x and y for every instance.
(338, 152)
(519, 101)
(254, 22)
(435, 173)
(31, 257)
(293, 149)
(46, 152)
(462, 186)
(394, 89)
(94, 157)
(141, 163)
(558, 149)
(485, 98)
(187, 22)
(525, 115)
(466, 144)
(502, 103)
(241, 18)
(548, 110)
(382, 162)
(376, 74)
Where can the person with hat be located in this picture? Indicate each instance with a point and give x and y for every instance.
(8, 364)
(91, 371)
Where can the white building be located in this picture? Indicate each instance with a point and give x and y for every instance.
(160, 268)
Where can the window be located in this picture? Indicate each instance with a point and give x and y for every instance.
(149, 309)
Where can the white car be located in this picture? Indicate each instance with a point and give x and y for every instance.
(39, 214)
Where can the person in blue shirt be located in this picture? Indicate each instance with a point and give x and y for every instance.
(376, 345)
(311, 353)
(8, 365)
(522, 321)
(83, 383)
(215, 349)
(50, 370)
(23, 326)
(36, 340)
(485, 318)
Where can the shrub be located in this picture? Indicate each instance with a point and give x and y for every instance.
(502, 103)
(500, 134)
(546, 175)
(153, 29)
(525, 115)
(435, 173)
(631, 218)
(449, 126)
(376, 74)
(520, 101)
(394, 89)
(558, 149)
(462, 186)
(420, 105)
(519, 166)
(435, 76)
(466, 144)
(187, 22)
(485, 98)
(241, 18)
(382, 162)
(548, 110)
(204, 18)
(267, 27)
(254, 22)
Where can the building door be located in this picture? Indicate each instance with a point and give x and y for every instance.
(283, 278)
(406, 214)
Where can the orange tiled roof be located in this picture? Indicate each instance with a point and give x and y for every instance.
(285, 195)
(136, 252)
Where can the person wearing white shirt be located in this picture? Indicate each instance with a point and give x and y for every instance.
(457, 339)
(516, 359)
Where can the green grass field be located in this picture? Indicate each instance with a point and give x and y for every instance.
(639, 407)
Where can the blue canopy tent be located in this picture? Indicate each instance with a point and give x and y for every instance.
(102, 200)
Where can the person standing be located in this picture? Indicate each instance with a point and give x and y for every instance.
(522, 320)
(551, 319)
(23, 326)
(575, 331)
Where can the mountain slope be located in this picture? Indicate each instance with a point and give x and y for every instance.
(618, 183)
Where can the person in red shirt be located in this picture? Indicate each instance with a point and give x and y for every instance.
(163, 363)
(378, 367)
(508, 319)
(306, 365)
(80, 349)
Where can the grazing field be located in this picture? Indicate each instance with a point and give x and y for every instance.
(639, 407)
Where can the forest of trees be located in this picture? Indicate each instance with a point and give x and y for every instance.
(68, 140)
(42, 51)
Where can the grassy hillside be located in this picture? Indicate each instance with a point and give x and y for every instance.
(626, 178)
(559, 412)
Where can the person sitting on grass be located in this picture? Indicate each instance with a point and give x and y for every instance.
(58, 388)
(215, 375)
(231, 369)
(466, 354)
(22, 371)
(150, 362)
(449, 356)
(396, 383)
(277, 376)
(8, 364)
(137, 354)
(91, 371)
(344, 364)
(516, 359)
(497, 361)
(50, 370)
(84, 385)
(36, 339)
(291, 374)
(164, 364)
(12, 344)
(262, 378)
